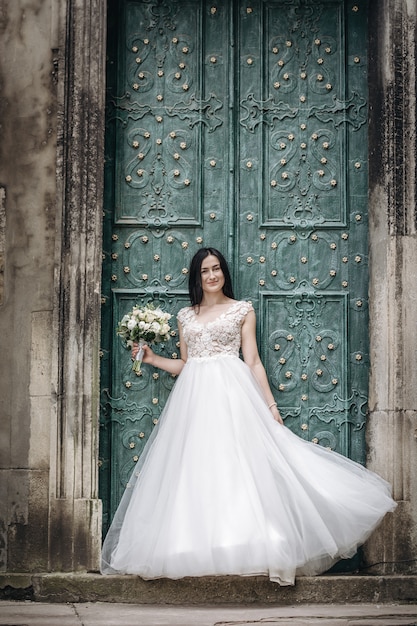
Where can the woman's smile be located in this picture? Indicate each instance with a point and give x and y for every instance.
(211, 273)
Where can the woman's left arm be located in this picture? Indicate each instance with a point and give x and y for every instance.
(252, 359)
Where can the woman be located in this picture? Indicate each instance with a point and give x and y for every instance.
(222, 486)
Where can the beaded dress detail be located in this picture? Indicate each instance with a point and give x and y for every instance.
(220, 337)
(221, 488)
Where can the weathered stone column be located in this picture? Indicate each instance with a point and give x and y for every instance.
(75, 511)
(392, 427)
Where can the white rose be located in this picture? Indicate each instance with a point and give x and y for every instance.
(155, 327)
(164, 329)
(131, 324)
(141, 325)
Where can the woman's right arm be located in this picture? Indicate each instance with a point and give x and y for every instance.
(173, 366)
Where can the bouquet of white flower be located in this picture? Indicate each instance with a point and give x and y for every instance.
(144, 325)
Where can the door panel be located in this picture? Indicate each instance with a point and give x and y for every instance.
(241, 126)
(168, 160)
(302, 195)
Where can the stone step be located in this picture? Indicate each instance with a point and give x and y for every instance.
(212, 590)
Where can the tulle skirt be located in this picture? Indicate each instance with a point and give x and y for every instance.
(222, 488)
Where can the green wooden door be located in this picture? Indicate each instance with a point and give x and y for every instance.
(240, 125)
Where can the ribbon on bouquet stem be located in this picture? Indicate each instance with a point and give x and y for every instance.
(139, 356)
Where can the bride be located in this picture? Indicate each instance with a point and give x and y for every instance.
(223, 487)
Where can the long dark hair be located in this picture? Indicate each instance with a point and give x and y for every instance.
(194, 281)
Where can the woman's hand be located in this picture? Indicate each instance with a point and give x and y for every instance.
(276, 415)
(147, 353)
(171, 365)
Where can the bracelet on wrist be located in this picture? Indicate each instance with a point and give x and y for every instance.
(273, 404)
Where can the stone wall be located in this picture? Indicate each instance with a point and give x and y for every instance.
(28, 114)
(52, 111)
(75, 511)
(52, 117)
(392, 424)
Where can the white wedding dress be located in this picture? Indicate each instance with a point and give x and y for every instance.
(222, 488)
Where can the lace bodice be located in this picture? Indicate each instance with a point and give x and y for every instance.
(216, 338)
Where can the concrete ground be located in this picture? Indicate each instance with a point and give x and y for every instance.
(27, 613)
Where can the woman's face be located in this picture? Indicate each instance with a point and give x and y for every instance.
(212, 277)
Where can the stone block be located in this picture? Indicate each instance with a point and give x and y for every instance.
(87, 536)
(409, 324)
(5, 425)
(40, 427)
(2, 240)
(3, 519)
(40, 354)
(222, 590)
